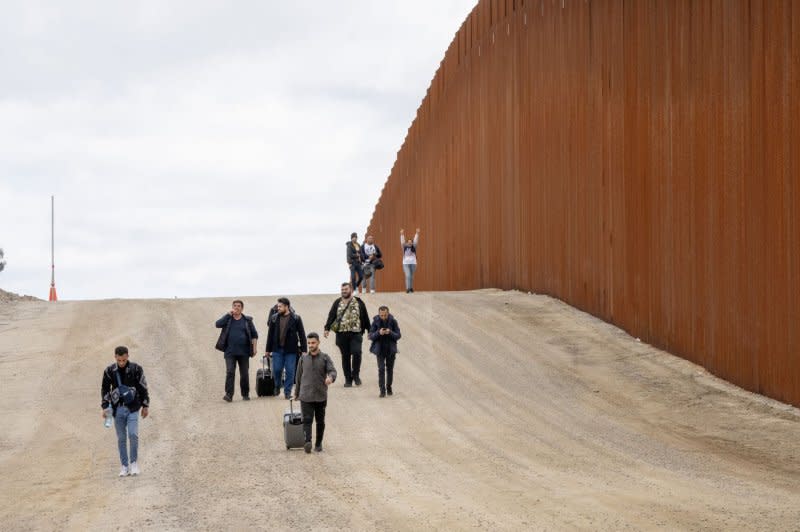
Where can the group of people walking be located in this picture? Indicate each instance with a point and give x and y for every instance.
(364, 260)
(295, 357)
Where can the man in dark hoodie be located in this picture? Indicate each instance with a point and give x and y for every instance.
(384, 333)
(348, 318)
(285, 338)
(124, 392)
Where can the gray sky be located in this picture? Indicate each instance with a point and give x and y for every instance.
(203, 148)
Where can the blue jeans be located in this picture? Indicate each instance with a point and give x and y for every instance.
(409, 270)
(356, 274)
(281, 361)
(127, 425)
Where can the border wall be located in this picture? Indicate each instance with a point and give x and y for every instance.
(637, 159)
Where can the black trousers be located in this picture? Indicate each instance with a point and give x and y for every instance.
(244, 374)
(386, 371)
(349, 344)
(310, 411)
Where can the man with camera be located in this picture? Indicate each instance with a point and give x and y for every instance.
(124, 392)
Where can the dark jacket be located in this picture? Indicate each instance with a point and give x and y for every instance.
(311, 374)
(295, 334)
(132, 375)
(353, 253)
(391, 338)
(362, 312)
(250, 329)
(365, 257)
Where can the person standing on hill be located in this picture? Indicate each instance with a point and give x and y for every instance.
(348, 318)
(371, 259)
(384, 333)
(409, 258)
(238, 341)
(286, 337)
(124, 391)
(354, 262)
(315, 373)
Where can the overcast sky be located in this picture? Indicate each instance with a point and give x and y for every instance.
(202, 148)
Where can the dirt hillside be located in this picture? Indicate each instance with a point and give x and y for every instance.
(511, 412)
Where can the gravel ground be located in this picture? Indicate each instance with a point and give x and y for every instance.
(511, 412)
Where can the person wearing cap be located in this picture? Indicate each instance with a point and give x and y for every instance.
(354, 262)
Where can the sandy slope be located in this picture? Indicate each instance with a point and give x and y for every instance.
(511, 412)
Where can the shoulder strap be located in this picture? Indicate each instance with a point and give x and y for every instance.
(119, 381)
(340, 314)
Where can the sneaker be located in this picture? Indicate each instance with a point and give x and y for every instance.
(307, 447)
(134, 468)
(408, 290)
(348, 384)
(227, 398)
(372, 291)
(287, 396)
(124, 471)
(246, 398)
(318, 448)
(389, 391)
(383, 394)
(357, 380)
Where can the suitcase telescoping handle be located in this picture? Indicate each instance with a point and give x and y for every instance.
(266, 364)
(291, 409)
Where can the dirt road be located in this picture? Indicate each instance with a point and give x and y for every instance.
(511, 412)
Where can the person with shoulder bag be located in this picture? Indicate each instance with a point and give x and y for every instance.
(348, 318)
(123, 394)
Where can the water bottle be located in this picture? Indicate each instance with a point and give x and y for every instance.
(109, 418)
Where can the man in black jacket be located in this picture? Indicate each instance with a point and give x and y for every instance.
(348, 318)
(384, 333)
(123, 393)
(354, 261)
(286, 337)
(240, 338)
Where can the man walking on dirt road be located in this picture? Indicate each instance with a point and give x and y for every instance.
(238, 341)
(123, 393)
(286, 336)
(384, 333)
(314, 374)
(348, 318)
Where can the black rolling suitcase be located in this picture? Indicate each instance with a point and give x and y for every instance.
(265, 383)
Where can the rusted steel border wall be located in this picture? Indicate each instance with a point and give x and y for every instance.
(637, 159)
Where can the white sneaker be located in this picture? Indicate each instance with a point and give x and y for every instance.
(134, 468)
(372, 291)
(124, 471)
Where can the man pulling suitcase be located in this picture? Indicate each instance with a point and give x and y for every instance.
(314, 374)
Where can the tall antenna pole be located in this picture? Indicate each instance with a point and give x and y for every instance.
(53, 296)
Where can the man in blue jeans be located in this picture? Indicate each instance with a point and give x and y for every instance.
(285, 339)
(124, 392)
